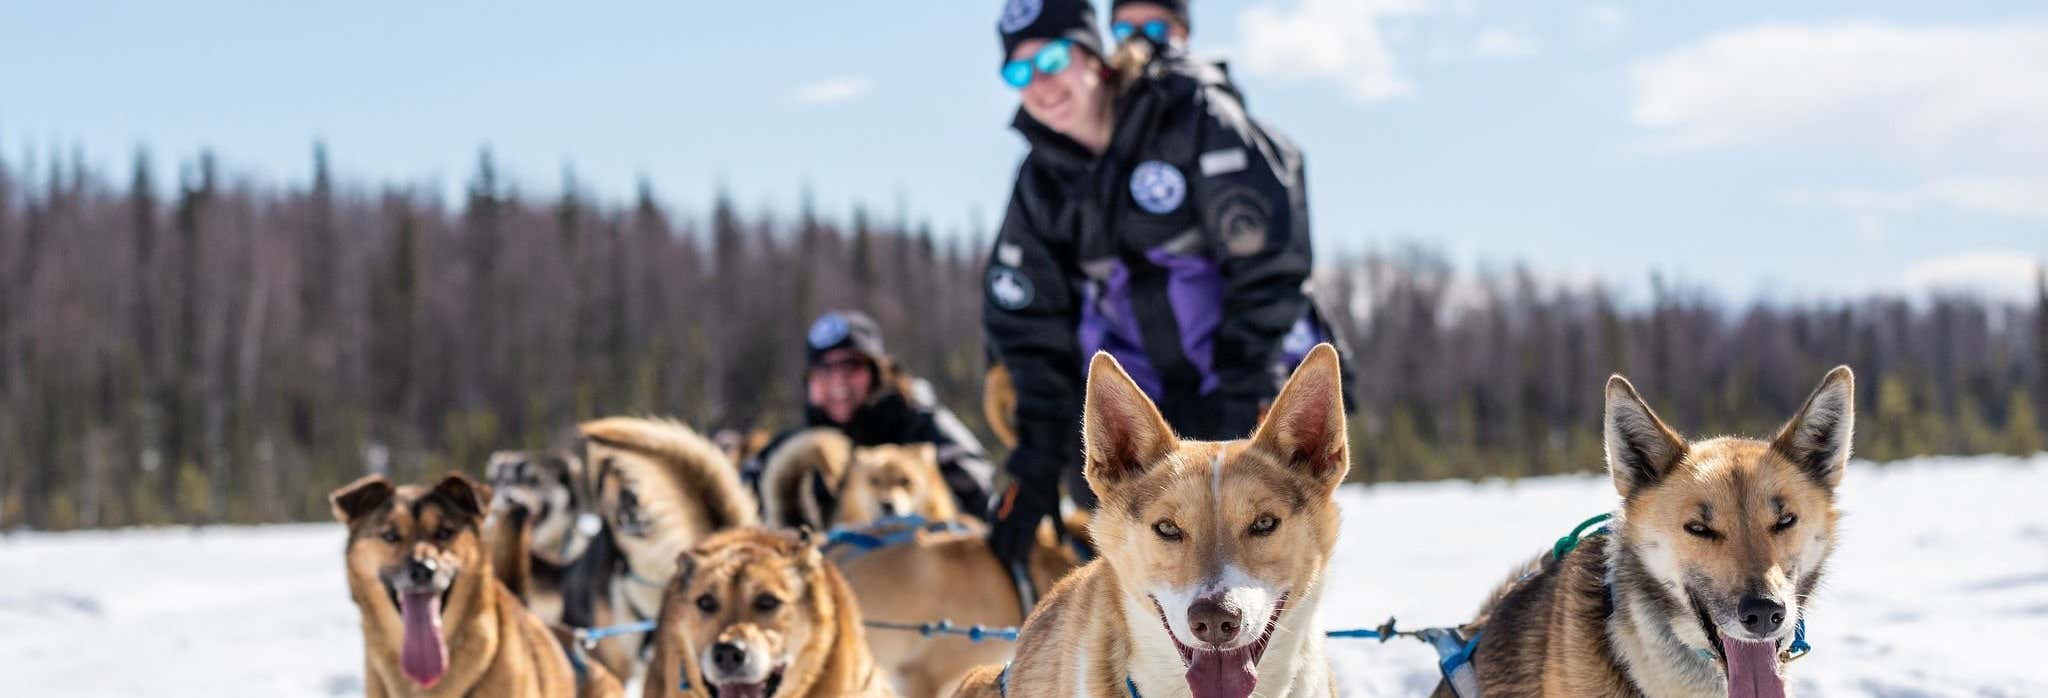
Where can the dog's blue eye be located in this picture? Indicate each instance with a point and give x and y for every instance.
(1699, 529)
(707, 603)
(1264, 525)
(1167, 530)
(390, 536)
(1785, 522)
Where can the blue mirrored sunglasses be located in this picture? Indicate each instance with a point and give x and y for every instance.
(1051, 58)
(1154, 30)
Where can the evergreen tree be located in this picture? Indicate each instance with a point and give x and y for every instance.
(2022, 435)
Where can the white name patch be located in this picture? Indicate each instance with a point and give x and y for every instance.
(1222, 162)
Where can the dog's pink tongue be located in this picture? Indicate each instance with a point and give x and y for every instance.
(1753, 669)
(742, 690)
(423, 657)
(1222, 674)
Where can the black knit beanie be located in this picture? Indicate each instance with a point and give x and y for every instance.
(1024, 20)
(1179, 8)
(839, 329)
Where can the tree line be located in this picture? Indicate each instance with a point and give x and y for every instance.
(225, 349)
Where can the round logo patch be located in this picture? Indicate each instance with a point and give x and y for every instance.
(1239, 216)
(1008, 288)
(830, 329)
(1018, 14)
(1158, 187)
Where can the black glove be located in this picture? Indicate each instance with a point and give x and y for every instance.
(1013, 529)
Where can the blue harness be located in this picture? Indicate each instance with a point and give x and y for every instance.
(886, 532)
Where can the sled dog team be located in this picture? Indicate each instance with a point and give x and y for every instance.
(1210, 559)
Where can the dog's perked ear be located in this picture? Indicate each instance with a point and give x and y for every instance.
(353, 500)
(1640, 449)
(1819, 438)
(1122, 433)
(1306, 425)
(467, 496)
(810, 552)
(686, 565)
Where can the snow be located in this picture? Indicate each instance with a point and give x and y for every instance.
(1939, 587)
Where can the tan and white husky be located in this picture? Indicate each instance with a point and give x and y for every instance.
(1213, 554)
(1711, 563)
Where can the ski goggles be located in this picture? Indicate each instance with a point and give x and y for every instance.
(1154, 29)
(1051, 58)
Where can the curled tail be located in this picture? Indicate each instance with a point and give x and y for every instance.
(697, 464)
(793, 481)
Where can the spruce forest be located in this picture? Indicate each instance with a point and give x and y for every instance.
(223, 349)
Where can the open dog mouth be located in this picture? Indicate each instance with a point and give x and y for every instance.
(1750, 666)
(423, 654)
(1231, 673)
(738, 689)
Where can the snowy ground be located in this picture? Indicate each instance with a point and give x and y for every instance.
(1940, 587)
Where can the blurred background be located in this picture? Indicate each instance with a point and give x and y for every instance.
(249, 251)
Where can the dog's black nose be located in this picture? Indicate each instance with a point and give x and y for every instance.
(420, 571)
(888, 508)
(728, 657)
(1760, 615)
(1214, 622)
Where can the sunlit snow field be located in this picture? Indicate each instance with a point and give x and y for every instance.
(1939, 587)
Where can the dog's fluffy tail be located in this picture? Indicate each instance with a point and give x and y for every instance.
(1521, 573)
(696, 462)
(788, 496)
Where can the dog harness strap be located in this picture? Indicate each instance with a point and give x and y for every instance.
(1799, 647)
(945, 626)
(1570, 541)
(591, 636)
(1456, 664)
(1131, 686)
(900, 530)
(575, 654)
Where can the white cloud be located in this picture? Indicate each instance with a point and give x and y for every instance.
(1503, 44)
(2014, 197)
(1607, 20)
(1923, 94)
(1871, 209)
(834, 90)
(1997, 273)
(1343, 41)
(2023, 198)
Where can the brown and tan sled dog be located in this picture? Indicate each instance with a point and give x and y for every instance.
(1213, 554)
(942, 576)
(949, 575)
(753, 613)
(659, 488)
(436, 621)
(821, 480)
(1707, 571)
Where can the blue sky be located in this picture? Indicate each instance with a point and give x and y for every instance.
(1757, 149)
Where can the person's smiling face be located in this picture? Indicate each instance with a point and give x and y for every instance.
(1068, 100)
